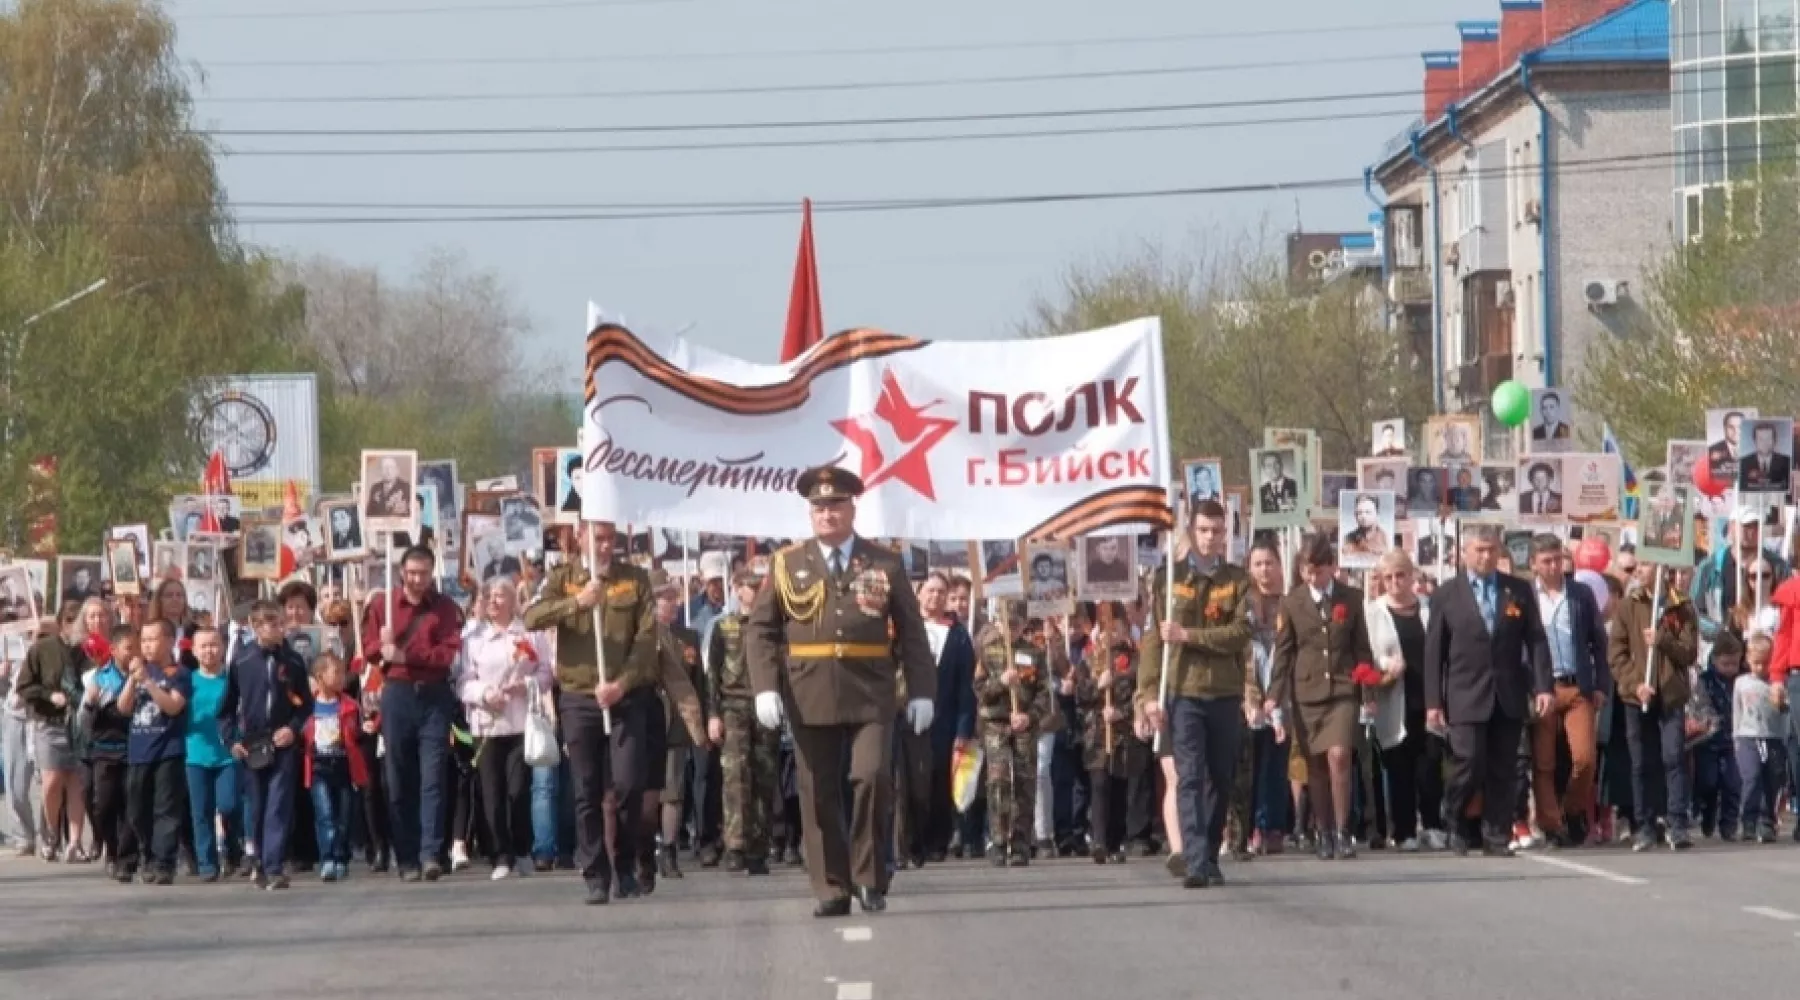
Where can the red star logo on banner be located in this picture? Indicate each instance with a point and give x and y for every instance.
(905, 423)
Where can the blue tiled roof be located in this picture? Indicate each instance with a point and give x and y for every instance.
(1637, 32)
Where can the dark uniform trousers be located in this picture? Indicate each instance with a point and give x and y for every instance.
(1484, 758)
(913, 777)
(821, 752)
(597, 764)
(1204, 734)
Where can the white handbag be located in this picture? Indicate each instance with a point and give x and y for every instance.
(540, 734)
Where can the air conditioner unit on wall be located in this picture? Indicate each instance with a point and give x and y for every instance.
(1605, 293)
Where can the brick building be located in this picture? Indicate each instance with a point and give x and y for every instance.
(1523, 206)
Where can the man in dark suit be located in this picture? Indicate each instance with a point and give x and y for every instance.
(1764, 471)
(1722, 454)
(1541, 499)
(1484, 652)
(1279, 493)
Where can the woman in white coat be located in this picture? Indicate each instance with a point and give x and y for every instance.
(1412, 757)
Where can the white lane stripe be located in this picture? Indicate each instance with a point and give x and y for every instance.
(1582, 869)
(856, 991)
(1771, 913)
(857, 934)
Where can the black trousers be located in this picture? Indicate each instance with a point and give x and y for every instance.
(374, 802)
(597, 763)
(506, 798)
(1485, 762)
(1142, 807)
(1415, 781)
(1106, 809)
(108, 814)
(1204, 734)
(940, 814)
(154, 800)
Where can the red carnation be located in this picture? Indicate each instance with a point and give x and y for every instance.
(1339, 614)
(1365, 674)
(1121, 663)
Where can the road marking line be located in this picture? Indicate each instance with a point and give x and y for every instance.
(857, 934)
(856, 991)
(1585, 869)
(1771, 913)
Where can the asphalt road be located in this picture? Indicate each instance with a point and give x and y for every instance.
(1716, 922)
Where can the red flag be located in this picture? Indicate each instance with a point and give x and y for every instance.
(805, 319)
(215, 482)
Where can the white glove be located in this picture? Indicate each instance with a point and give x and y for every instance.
(768, 709)
(918, 712)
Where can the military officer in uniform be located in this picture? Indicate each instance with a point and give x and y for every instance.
(823, 639)
(1207, 637)
(620, 592)
(750, 756)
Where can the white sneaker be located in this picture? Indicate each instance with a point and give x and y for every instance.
(1436, 840)
(1409, 846)
(501, 872)
(459, 856)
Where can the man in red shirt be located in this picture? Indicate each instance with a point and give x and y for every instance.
(414, 653)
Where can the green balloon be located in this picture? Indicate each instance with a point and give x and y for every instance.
(1511, 403)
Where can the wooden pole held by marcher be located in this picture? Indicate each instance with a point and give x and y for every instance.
(1168, 615)
(593, 569)
(1656, 610)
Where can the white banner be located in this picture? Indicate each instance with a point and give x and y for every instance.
(1047, 438)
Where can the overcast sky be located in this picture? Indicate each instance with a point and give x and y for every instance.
(947, 273)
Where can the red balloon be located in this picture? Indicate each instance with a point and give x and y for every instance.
(1704, 480)
(1593, 554)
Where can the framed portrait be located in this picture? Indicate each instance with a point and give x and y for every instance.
(1679, 458)
(1424, 491)
(259, 552)
(78, 578)
(429, 534)
(1000, 569)
(37, 572)
(1279, 494)
(1666, 527)
(19, 610)
(307, 641)
(203, 597)
(1552, 422)
(1428, 543)
(484, 548)
(1202, 479)
(343, 531)
(122, 564)
(168, 561)
(1725, 441)
(1463, 488)
(1331, 485)
(951, 557)
(1108, 569)
(140, 536)
(543, 477)
(1237, 524)
(1516, 547)
(523, 523)
(1365, 527)
(1306, 444)
(1768, 456)
(1150, 549)
(202, 562)
(1047, 589)
(300, 537)
(1387, 439)
(389, 502)
(440, 474)
(568, 486)
(1453, 439)
(1383, 474)
(1541, 490)
(1499, 489)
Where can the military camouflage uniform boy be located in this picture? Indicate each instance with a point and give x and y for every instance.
(1109, 764)
(1009, 739)
(750, 754)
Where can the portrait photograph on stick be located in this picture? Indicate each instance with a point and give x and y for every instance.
(1552, 422)
(1000, 568)
(1767, 466)
(388, 502)
(1277, 487)
(18, 608)
(1047, 590)
(1666, 527)
(1387, 439)
(140, 537)
(122, 563)
(168, 561)
(1541, 498)
(1424, 491)
(1453, 439)
(343, 531)
(1365, 527)
(259, 551)
(202, 562)
(1725, 444)
(1108, 567)
(78, 578)
(1202, 478)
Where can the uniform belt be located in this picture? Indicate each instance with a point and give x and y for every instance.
(839, 651)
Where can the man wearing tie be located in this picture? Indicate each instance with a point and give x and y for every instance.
(1484, 651)
(1541, 499)
(1764, 471)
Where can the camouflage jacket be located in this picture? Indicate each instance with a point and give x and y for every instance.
(993, 700)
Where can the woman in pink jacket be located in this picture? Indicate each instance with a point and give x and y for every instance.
(499, 661)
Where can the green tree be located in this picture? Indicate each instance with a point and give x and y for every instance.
(1244, 351)
(1718, 328)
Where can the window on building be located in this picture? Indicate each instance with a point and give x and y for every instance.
(1740, 26)
(1712, 92)
(1740, 88)
(1778, 86)
(1696, 219)
(1711, 31)
(1741, 151)
(1468, 202)
(1777, 26)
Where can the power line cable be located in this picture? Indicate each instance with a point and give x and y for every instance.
(434, 11)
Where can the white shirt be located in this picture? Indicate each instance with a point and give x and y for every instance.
(937, 634)
(1318, 596)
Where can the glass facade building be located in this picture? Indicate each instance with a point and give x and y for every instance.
(1733, 66)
